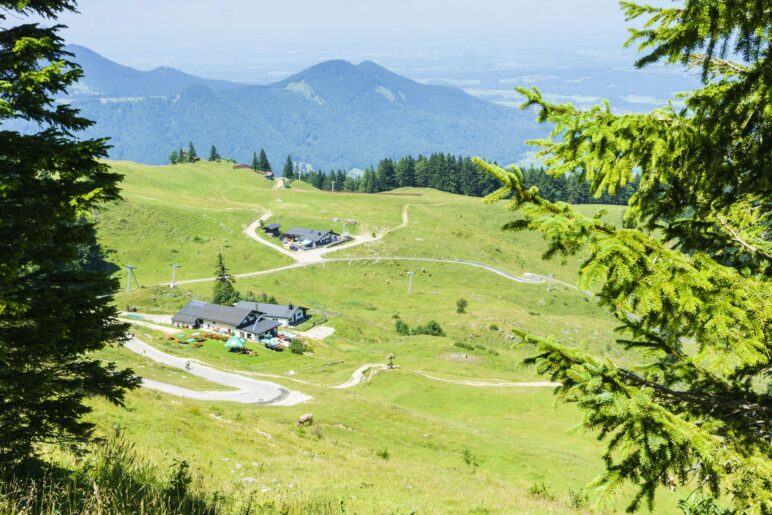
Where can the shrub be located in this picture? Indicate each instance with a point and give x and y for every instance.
(383, 454)
(493, 327)
(463, 345)
(469, 458)
(431, 328)
(297, 346)
(461, 305)
(578, 499)
(541, 491)
(402, 328)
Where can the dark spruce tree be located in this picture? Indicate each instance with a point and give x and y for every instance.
(385, 175)
(255, 162)
(174, 157)
(288, 170)
(213, 154)
(54, 310)
(223, 291)
(687, 277)
(192, 155)
(405, 172)
(262, 162)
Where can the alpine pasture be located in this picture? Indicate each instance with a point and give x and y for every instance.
(446, 431)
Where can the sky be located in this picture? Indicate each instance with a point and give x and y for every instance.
(207, 37)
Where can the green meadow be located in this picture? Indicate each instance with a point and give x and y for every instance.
(409, 440)
(187, 213)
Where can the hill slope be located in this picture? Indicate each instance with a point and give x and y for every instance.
(334, 114)
(490, 448)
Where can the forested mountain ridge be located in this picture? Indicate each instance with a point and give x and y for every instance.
(334, 114)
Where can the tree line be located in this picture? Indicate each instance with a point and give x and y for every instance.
(444, 172)
(460, 175)
(260, 161)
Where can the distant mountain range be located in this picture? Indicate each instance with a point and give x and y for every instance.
(334, 114)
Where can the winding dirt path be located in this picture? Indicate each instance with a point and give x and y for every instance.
(359, 375)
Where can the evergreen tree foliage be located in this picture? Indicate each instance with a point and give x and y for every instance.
(191, 155)
(405, 172)
(689, 277)
(461, 175)
(213, 154)
(384, 177)
(255, 162)
(288, 170)
(54, 310)
(262, 163)
(223, 291)
(174, 157)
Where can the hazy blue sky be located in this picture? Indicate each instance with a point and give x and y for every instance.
(149, 33)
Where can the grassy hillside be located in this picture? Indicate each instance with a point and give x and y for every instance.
(187, 213)
(408, 440)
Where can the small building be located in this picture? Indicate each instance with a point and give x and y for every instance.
(234, 320)
(272, 229)
(311, 238)
(268, 175)
(285, 314)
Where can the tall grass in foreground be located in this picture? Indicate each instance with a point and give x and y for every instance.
(113, 478)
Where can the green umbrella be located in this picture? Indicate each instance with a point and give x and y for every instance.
(235, 342)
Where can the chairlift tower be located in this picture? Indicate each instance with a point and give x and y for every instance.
(410, 282)
(130, 270)
(175, 266)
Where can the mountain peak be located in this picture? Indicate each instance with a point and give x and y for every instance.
(333, 114)
(370, 65)
(334, 65)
